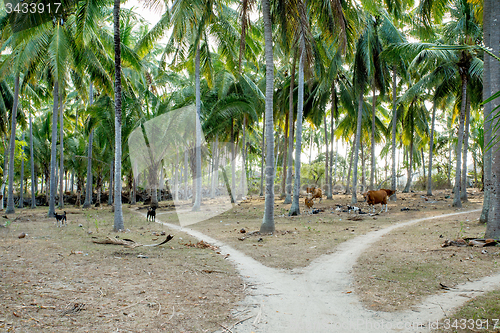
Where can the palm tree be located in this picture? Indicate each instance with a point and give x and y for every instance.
(267, 225)
(118, 216)
(10, 201)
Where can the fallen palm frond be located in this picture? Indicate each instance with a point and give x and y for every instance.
(127, 242)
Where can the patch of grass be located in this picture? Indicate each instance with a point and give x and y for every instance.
(482, 315)
(409, 264)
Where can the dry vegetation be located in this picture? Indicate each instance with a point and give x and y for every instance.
(57, 280)
(409, 263)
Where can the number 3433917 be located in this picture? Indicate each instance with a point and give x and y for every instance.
(32, 8)
(472, 324)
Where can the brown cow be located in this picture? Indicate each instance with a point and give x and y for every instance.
(378, 197)
(309, 203)
(315, 192)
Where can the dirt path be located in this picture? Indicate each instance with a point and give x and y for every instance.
(319, 298)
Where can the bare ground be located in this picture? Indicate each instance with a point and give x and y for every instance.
(286, 276)
(57, 280)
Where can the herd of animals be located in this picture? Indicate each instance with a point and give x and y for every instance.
(371, 197)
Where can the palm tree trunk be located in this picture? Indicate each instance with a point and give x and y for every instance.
(336, 160)
(10, 200)
(53, 157)
(423, 161)
(372, 170)
(487, 154)
(327, 160)
(351, 158)
(262, 159)
(243, 158)
(285, 157)
(111, 173)
(331, 146)
(61, 153)
(431, 152)
(32, 166)
(410, 166)
(357, 141)
(268, 219)
(456, 189)
(21, 189)
(295, 210)
(197, 201)
(288, 198)
(118, 217)
(363, 167)
(233, 164)
(493, 225)
(88, 188)
(394, 126)
(463, 194)
(186, 167)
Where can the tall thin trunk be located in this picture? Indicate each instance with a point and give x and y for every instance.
(431, 152)
(61, 153)
(487, 153)
(410, 166)
(463, 192)
(197, 201)
(21, 189)
(289, 174)
(336, 159)
(372, 170)
(216, 173)
(32, 167)
(268, 219)
(456, 189)
(53, 156)
(423, 160)
(347, 189)
(111, 173)
(118, 218)
(88, 188)
(327, 161)
(450, 149)
(331, 145)
(493, 225)
(186, 167)
(243, 158)
(295, 210)
(357, 141)
(363, 167)
(5, 174)
(233, 163)
(394, 126)
(133, 200)
(285, 157)
(262, 159)
(10, 199)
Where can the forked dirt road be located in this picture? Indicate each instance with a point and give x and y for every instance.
(319, 297)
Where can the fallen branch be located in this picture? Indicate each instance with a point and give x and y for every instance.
(127, 242)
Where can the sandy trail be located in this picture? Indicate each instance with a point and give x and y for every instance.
(318, 298)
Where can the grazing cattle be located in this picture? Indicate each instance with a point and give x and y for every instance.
(309, 203)
(61, 219)
(378, 197)
(151, 216)
(315, 192)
